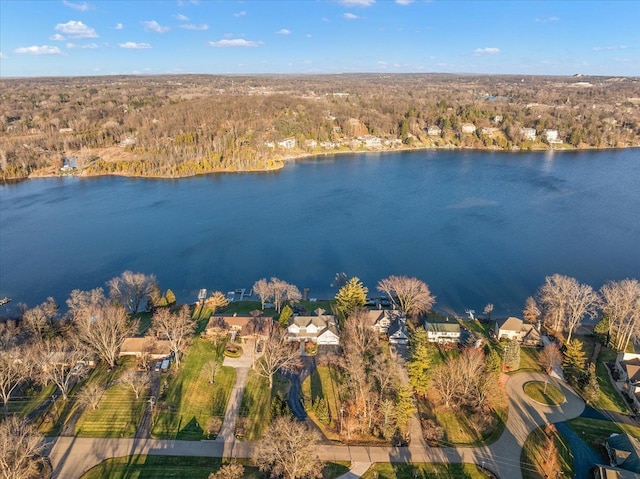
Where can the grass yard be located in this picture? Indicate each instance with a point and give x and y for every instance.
(610, 399)
(533, 452)
(189, 402)
(255, 409)
(544, 393)
(170, 467)
(424, 471)
(117, 415)
(30, 400)
(529, 359)
(323, 383)
(595, 431)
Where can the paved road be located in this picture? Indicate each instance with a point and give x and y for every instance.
(71, 457)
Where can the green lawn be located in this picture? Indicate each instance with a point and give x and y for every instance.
(323, 383)
(529, 359)
(595, 431)
(533, 454)
(190, 403)
(255, 408)
(424, 471)
(544, 393)
(170, 467)
(117, 415)
(30, 400)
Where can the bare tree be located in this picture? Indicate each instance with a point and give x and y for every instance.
(56, 359)
(229, 471)
(80, 301)
(288, 450)
(103, 329)
(621, 303)
(130, 289)
(550, 357)
(178, 328)
(358, 335)
(488, 309)
(446, 380)
(410, 295)
(38, 320)
(566, 302)
(530, 313)
(137, 381)
(278, 354)
(216, 301)
(263, 290)
(20, 449)
(14, 369)
(90, 395)
(283, 292)
(212, 368)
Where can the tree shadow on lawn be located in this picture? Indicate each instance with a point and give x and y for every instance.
(191, 431)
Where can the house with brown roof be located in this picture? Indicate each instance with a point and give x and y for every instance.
(516, 329)
(236, 326)
(628, 367)
(155, 348)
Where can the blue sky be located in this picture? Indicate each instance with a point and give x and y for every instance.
(78, 37)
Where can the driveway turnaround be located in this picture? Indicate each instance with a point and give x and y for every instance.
(71, 457)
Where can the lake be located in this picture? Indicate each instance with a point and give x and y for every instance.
(477, 227)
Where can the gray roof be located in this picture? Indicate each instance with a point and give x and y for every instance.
(442, 327)
(624, 443)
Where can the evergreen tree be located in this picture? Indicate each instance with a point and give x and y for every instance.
(602, 330)
(419, 361)
(404, 408)
(590, 388)
(286, 313)
(170, 297)
(349, 297)
(511, 355)
(493, 362)
(574, 361)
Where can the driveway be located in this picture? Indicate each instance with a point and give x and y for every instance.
(71, 457)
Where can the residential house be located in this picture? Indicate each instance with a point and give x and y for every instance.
(606, 472)
(468, 128)
(370, 141)
(628, 367)
(310, 143)
(552, 136)
(155, 348)
(434, 130)
(398, 331)
(381, 319)
(624, 455)
(287, 143)
(515, 329)
(448, 332)
(489, 131)
(497, 119)
(528, 134)
(320, 329)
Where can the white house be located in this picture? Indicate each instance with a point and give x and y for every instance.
(287, 143)
(370, 141)
(310, 143)
(320, 329)
(434, 130)
(552, 136)
(529, 134)
(443, 332)
(468, 128)
(381, 319)
(628, 367)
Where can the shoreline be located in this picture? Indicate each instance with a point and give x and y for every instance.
(283, 161)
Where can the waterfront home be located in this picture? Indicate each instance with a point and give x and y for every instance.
(468, 128)
(310, 143)
(624, 457)
(515, 329)
(238, 327)
(150, 345)
(398, 331)
(381, 319)
(627, 366)
(370, 141)
(434, 130)
(287, 143)
(528, 134)
(448, 332)
(320, 329)
(552, 136)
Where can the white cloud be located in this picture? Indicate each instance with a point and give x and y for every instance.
(404, 2)
(547, 20)
(486, 51)
(134, 45)
(240, 14)
(236, 42)
(83, 7)
(381, 63)
(609, 47)
(119, 26)
(36, 50)
(350, 16)
(75, 29)
(57, 37)
(358, 3)
(284, 31)
(90, 46)
(189, 26)
(181, 17)
(308, 35)
(153, 26)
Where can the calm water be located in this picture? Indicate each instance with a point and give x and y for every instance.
(477, 227)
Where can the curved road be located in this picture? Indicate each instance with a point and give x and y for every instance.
(71, 457)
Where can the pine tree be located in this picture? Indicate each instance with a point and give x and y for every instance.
(602, 330)
(590, 388)
(493, 362)
(574, 361)
(349, 297)
(511, 355)
(404, 408)
(286, 313)
(419, 362)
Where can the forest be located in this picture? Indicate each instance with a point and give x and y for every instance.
(174, 126)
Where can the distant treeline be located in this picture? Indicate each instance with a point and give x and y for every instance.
(185, 125)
